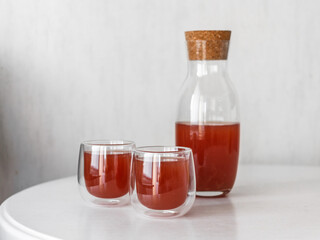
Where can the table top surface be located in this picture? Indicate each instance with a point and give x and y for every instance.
(267, 202)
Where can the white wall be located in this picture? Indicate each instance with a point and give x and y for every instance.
(72, 70)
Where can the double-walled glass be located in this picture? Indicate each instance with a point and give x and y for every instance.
(162, 181)
(104, 171)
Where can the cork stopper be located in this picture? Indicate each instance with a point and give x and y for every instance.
(208, 45)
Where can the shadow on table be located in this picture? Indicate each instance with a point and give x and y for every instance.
(212, 207)
(208, 218)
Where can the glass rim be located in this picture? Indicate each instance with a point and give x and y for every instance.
(162, 149)
(108, 143)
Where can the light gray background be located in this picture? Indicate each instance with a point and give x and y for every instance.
(72, 70)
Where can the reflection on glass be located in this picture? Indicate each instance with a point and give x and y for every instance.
(104, 172)
(163, 181)
(107, 175)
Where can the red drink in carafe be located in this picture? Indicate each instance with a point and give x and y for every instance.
(215, 147)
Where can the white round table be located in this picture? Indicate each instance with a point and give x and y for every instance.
(267, 202)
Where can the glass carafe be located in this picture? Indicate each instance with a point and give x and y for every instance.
(208, 113)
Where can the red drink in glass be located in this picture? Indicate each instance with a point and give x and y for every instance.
(107, 174)
(215, 147)
(162, 185)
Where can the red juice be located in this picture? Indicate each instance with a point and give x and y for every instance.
(107, 174)
(162, 185)
(215, 147)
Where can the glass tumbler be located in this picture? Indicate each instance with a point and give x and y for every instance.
(162, 181)
(104, 171)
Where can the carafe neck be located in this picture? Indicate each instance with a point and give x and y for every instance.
(201, 68)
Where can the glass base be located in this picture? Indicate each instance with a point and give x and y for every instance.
(164, 213)
(212, 193)
(104, 202)
(161, 213)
